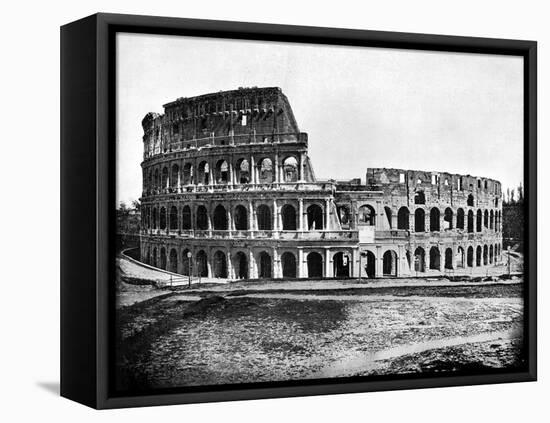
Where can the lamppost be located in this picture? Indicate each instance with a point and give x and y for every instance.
(189, 255)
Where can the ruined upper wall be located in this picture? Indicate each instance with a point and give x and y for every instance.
(438, 187)
(262, 112)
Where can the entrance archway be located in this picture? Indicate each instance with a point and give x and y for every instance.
(202, 264)
(449, 258)
(435, 259)
(370, 265)
(220, 218)
(163, 258)
(389, 263)
(288, 215)
(241, 265)
(341, 265)
(314, 265)
(288, 263)
(220, 265)
(264, 264)
(314, 217)
(173, 261)
(419, 260)
(241, 218)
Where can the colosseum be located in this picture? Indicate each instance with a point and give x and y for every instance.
(229, 192)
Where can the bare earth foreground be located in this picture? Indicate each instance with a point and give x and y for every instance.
(224, 335)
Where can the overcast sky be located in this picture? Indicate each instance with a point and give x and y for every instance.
(362, 107)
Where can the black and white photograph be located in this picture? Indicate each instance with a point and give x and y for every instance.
(295, 212)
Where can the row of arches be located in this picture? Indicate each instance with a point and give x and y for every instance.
(420, 198)
(448, 260)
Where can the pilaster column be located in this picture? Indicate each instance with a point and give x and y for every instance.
(355, 263)
(301, 264)
(327, 214)
(379, 261)
(231, 173)
(230, 273)
(276, 264)
(300, 214)
(250, 216)
(276, 167)
(301, 163)
(275, 219)
(328, 270)
(210, 174)
(411, 221)
(252, 170)
(230, 222)
(251, 265)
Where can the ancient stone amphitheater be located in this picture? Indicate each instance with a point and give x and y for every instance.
(229, 192)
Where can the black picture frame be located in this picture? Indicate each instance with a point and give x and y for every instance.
(87, 198)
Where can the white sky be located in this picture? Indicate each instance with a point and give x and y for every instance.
(362, 107)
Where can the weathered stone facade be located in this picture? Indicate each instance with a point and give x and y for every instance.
(227, 181)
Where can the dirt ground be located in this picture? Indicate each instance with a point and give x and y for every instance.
(201, 337)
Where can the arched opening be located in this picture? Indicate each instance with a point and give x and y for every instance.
(163, 258)
(314, 265)
(222, 172)
(459, 258)
(164, 178)
(341, 265)
(491, 220)
(460, 219)
(241, 218)
(290, 169)
(173, 261)
(491, 254)
(263, 214)
(314, 217)
(470, 257)
(186, 223)
(173, 218)
(419, 220)
(449, 258)
(264, 264)
(162, 218)
(288, 262)
(174, 176)
(241, 265)
(388, 213)
(478, 256)
(435, 259)
(157, 179)
(203, 173)
(220, 218)
(202, 264)
(188, 174)
(344, 216)
(154, 258)
(366, 215)
(243, 171)
(486, 219)
(288, 215)
(155, 218)
(403, 218)
(470, 200)
(186, 263)
(448, 218)
(419, 197)
(434, 219)
(479, 217)
(220, 265)
(370, 265)
(470, 221)
(485, 256)
(389, 263)
(419, 260)
(202, 218)
(265, 171)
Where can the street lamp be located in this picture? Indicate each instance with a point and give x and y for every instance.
(189, 255)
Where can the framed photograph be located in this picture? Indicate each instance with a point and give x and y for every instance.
(254, 211)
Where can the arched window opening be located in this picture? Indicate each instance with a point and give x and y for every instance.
(186, 263)
(491, 220)
(486, 219)
(435, 259)
(470, 200)
(186, 223)
(288, 262)
(265, 171)
(470, 257)
(154, 258)
(460, 258)
(173, 218)
(491, 254)
(448, 218)
(241, 218)
(344, 216)
(485, 255)
(419, 197)
(389, 263)
(174, 176)
(314, 217)
(288, 215)
(314, 265)
(222, 172)
(370, 264)
(478, 256)
(203, 174)
(449, 258)
(479, 217)
(460, 219)
(202, 264)
(434, 219)
(241, 265)
(220, 265)
(163, 258)
(419, 260)
(341, 265)
(202, 218)
(470, 221)
(155, 218)
(366, 215)
(403, 218)
(263, 214)
(164, 180)
(290, 169)
(188, 174)
(173, 261)
(157, 179)
(264, 263)
(220, 218)
(243, 171)
(163, 218)
(388, 212)
(419, 220)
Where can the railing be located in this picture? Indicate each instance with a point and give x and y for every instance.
(267, 234)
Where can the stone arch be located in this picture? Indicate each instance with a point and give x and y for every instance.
(202, 264)
(419, 197)
(157, 179)
(435, 258)
(491, 254)
(479, 217)
(186, 222)
(187, 174)
(388, 213)
(219, 267)
(315, 217)
(263, 214)
(448, 218)
(485, 255)
(162, 218)
(344, 216)
(241, 218)
(220, 218)
(173, 218)
(154, 257)
(403, 218)
(174, 176)
(186, 263)
(265, 171)
(389, 263)
(370, 265)
(470, 200)
(240, 264)
(222, 172)
(341, 265)
(470, 221)
(366, 215)
(242, 170)
(290, 169)
(288, 264)
(491, 220)
(478, 256)
(434, 219)
(460, 218)
(264, 265)
(314, 265)
(288, 217)
(419, 260)
(459, 258)
(155, 218)
(203, 173)
(470, 257)
(173, 261)
(486, 219)
(448, 258)
(163, 258)
(419, 220)
(164, 178)
(202, 218)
